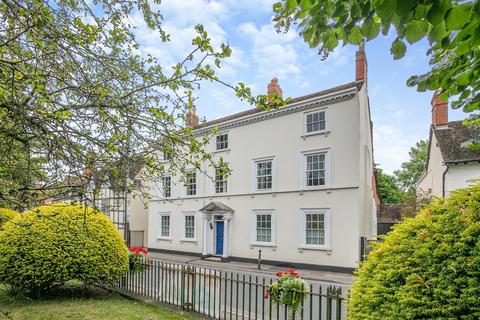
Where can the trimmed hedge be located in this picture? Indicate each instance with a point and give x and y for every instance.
(50, 245)
(428, 267)
(7, 215)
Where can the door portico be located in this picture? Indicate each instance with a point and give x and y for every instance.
(216, 230)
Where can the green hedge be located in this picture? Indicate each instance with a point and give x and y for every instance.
(428, 267)
(49, 245)
(7, 215)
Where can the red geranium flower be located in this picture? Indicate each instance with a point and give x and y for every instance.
(266, 294)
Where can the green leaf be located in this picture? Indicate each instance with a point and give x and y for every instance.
(398, 49)
(404, 7)
(306, 4)
(355, 36)
(385, 8)
(436, 14)
(290, 5)
(370, 28)
(330, 40)
(416, 30)
(437, 33)
(457, 17)
(277, 7)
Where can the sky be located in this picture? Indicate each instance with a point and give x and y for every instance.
(401, 115)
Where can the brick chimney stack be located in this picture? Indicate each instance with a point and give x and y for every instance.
(361, 63)
(273, 87)
(191, 118)
(439, 110)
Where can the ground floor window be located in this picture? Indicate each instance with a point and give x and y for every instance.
(165, 226)
(315, 228)
(263, 223)
(189, 226)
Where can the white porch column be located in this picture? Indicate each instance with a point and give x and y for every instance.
(226, 235)
(205, 234)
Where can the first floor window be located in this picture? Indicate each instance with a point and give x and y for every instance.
(316, 224)
(264, 174)
(167, 186)
(315, 169)
(189, 226)
(220, 182)
(191, 183)
(165, 226)
(264, 227)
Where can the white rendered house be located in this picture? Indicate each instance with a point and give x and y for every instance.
(302, 187)
(450, 165)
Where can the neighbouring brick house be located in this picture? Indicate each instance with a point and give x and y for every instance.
(450, 165)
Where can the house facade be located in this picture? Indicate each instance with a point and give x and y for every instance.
(301, 190)
(450, 165)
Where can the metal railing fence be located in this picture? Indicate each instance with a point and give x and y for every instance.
(223, 294)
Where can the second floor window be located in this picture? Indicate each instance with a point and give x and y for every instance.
(264, 174)
(167, 186)
(191, 183)
(315, 169)
(315, 121)
(220, 182)
(222, 141)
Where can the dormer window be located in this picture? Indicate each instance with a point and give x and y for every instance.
(314, 122)
(222, 141)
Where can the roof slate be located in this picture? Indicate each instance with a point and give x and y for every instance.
(450, 141)
(241, 114)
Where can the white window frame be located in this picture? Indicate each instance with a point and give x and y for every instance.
(184, 229)
(254, 174)
(305, 132)
(227, 185)
(196, 184)
(227, 141)
(163, 186)
(253, 239)
(303, 169)
(159, 231)
(327, 228)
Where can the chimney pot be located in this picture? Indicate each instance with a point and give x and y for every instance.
(191, 118)
(439, 110)
(274, 88)
(361, 63)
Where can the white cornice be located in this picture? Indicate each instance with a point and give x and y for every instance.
(303, 105)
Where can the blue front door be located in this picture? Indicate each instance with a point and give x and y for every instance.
(219, 237)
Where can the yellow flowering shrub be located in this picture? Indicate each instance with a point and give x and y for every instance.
(49, 245)
(428, 267)
(7, 215)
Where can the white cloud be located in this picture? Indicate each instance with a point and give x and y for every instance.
(392, 145)
(273, 53)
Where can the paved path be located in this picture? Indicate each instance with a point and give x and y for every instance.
(320, 276)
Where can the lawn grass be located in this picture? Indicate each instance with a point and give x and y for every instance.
(74, 303)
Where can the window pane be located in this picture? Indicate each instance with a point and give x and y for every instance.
(189, 227)
(191, 183)
(222, 141)
(167, 187)
(165, 226)
(315, 229)
(264, 227)
(315, 169)
(315, 121)
(264, 175)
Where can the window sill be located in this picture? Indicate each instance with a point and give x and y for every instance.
(263, 244)
(188, 240)
(164, 238)
(315, 247)
(317, 133)
(221, 150)
(325, 187)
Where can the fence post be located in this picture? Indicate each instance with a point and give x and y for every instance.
(182, 283)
